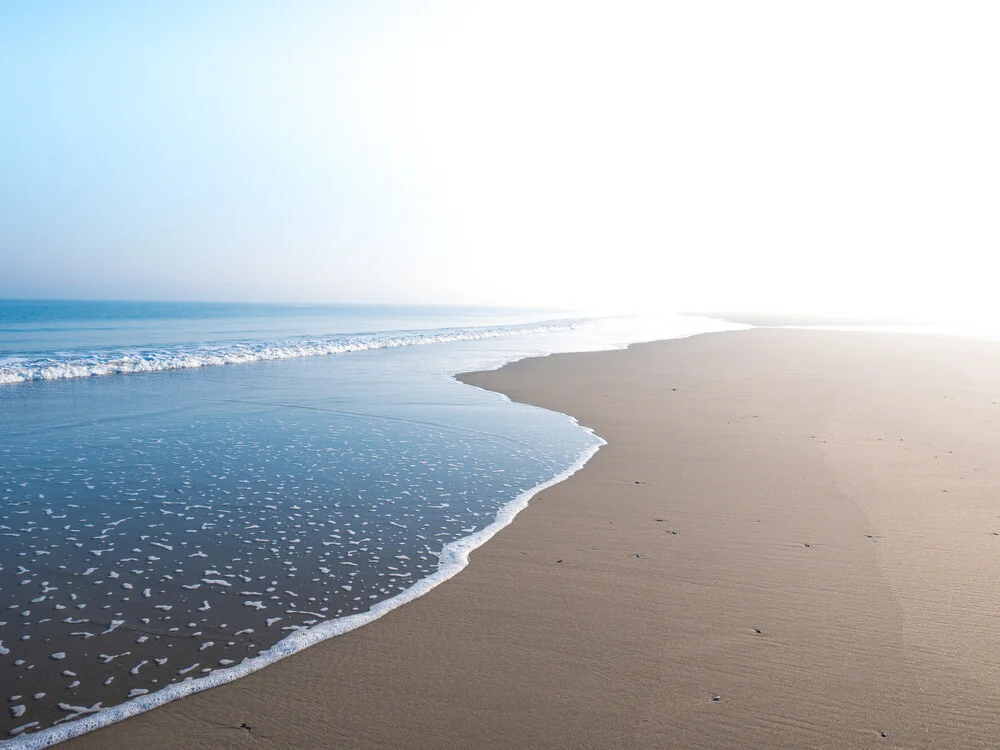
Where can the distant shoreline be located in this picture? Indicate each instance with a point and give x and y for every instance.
(803, 319)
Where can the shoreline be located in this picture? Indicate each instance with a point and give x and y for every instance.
(732, 540)
(90, 714)
(453, 559)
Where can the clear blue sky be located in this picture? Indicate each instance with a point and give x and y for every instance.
(830, 156)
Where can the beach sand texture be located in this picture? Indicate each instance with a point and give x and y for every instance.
(790, 540)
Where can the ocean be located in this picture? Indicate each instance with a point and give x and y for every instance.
(190, 491)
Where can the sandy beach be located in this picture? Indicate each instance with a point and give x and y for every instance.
(790, 540)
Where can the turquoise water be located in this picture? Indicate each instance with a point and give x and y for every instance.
(188, 490)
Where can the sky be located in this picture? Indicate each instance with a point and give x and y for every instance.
(768, 156)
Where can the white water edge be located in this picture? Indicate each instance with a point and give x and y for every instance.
(454, 557)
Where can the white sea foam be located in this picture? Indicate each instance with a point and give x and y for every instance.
(453, 558)
(121, 361)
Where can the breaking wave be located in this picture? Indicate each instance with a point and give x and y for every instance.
(64, 365)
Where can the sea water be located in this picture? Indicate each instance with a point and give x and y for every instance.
(190, 491)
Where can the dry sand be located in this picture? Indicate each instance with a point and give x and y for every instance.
(837, 492)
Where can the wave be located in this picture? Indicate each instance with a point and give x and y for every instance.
(65, 365)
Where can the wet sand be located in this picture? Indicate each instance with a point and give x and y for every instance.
(790, 540)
